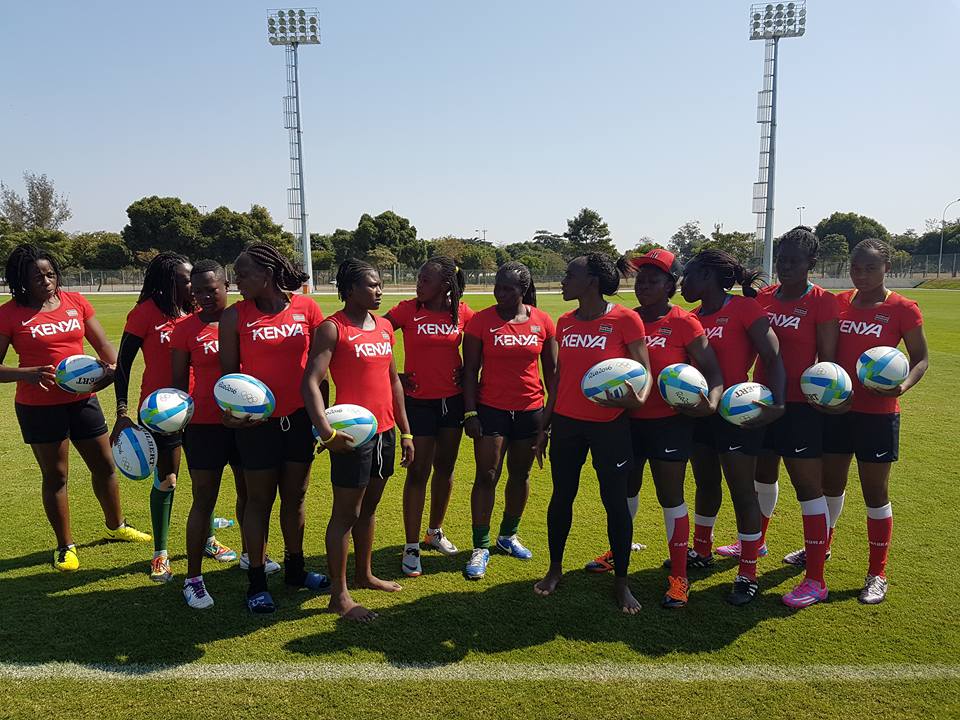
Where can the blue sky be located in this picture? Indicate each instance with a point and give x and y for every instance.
(508, 116)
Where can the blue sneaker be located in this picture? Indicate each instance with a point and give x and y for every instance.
(477, 566)
(511, 546)
(261, 603)
(317, 582)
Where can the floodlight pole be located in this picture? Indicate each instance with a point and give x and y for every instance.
(943, 224)
(304, 235)
(771, 171)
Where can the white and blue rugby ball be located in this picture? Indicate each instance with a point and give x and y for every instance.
(244, 396)
(737, 403)
(166, 411)
(882, 368)
(612, 376)
(826, 384)
(135, 453)
(354, 421)
(681, 385)
(75, 374)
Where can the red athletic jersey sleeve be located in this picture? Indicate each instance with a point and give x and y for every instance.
(202, 342)
(360, 367)
(510, 375)
(865, 328)
(582, 345)
(667, 340)
(795, 323)
(147, 322)
(46, 338)
(431, 347)
(727, 330)
(273, 348)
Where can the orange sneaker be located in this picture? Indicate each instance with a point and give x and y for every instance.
(602, 564)
(677, 592)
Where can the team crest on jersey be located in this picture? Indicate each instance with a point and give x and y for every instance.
(802, 312)
(71, 312)
(665, 331)
(535, 328)
(299, 317)
(384, 335)
(722, 320)
(881, 318)
(606, 328)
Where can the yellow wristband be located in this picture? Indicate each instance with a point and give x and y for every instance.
(406, 436)
(332, 436)
(469, 414)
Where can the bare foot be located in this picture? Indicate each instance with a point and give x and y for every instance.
(371, 582)
(345, 607)
(549, 583)
(625, 600)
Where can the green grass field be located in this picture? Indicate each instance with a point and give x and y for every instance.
(107, 642)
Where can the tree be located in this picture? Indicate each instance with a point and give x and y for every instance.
(834, 247)
(853, 227)
(738, 244)
(392, 231)
(587, 232)
(644, 245)
(686, 241)
(382, 258)
(553, 242)
(42, 208)
(167, 223)
(929, 242)
(98, 251)
(906, 241)
(452, 247)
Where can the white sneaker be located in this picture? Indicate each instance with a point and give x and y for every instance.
(438, 541)
(196, 595)
(271, 567)
(874, 590)
(410, 563)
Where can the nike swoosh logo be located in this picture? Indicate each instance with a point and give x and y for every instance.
(732, 447)
(200, 338)
(621, 464)
(354, 337)
(160, 327)
(255, 322)
(881, 454)
(495, 329)
(670, 450)
(566, 328)
(27, 322)
(799, 450)
(418, 319)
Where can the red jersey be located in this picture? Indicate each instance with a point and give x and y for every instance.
(510, 379)
(202, 342)
(360, 367)
(727, 330)
(667, 340)
(147, 322)
(45, 337)
(273, 348)
(431, 347)
(795, 323)
(583, 344)
(865, 328)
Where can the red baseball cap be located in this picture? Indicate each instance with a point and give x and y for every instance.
(658, 257)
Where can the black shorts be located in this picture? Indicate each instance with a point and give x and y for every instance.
(872, 438)
(277, 441)
(165, 441)
(372, 459)
(80, 420)
(427, 417)
(723, 437)
(668, 438)
(210, 446)
(608, 442)
(797, 434)
(509, 424)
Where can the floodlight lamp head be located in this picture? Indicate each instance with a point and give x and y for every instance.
(293, 26)
(769, 21)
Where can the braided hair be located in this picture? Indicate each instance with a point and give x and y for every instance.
(205, 266)
(804, 239)
(452, 275)
(18, 265)
(519, 273)
(727, 271)
(160, 284)
(604, 269)
(350, 272)
(877, 244)
(285, 275)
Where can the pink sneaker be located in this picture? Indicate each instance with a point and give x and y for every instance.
(733, 550)
(805, 594)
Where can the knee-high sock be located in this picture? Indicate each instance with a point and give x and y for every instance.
(703, 534)
(835, 506)
(767, 498)
(879, 532)
(815, 522)
(161, 505)
(749, 549)
(676, 521)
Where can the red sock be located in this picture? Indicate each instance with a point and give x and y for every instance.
(815, 536)
(829, 539)
(703, 534)
(749, 549)
(764, 524)
(879, 532)
(678, 539)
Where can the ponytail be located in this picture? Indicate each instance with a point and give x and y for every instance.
(728, 272)
(520, 274)
(451, 273)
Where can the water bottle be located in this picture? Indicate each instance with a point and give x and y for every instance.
(220, 523)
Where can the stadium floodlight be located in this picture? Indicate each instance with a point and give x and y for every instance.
(293, 27)
(943, 224)
(770, 22)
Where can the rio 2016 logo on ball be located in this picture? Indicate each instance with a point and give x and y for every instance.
(244, 396)
(166, 411)
(135, 453)
(882, 368)
(354, 421)
(826, 384)
(610, 376)
(681, 385)
(737, 403)
(77, 373)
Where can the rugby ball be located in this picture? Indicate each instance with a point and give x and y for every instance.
(681, 385)
(166, 411)
(354, 421)
(135, 453)
(244, 396)
(826, 384)
(882, 368)
(611, 376)
(737, 403)
(77, 373)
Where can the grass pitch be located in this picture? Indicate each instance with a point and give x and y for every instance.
(495, 646)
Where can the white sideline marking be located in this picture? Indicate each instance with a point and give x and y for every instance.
(498, 672)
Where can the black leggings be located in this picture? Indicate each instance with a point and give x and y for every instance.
(609, 444)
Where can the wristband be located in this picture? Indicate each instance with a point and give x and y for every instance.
(406, 436)
(332, 436)
(469, 414)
